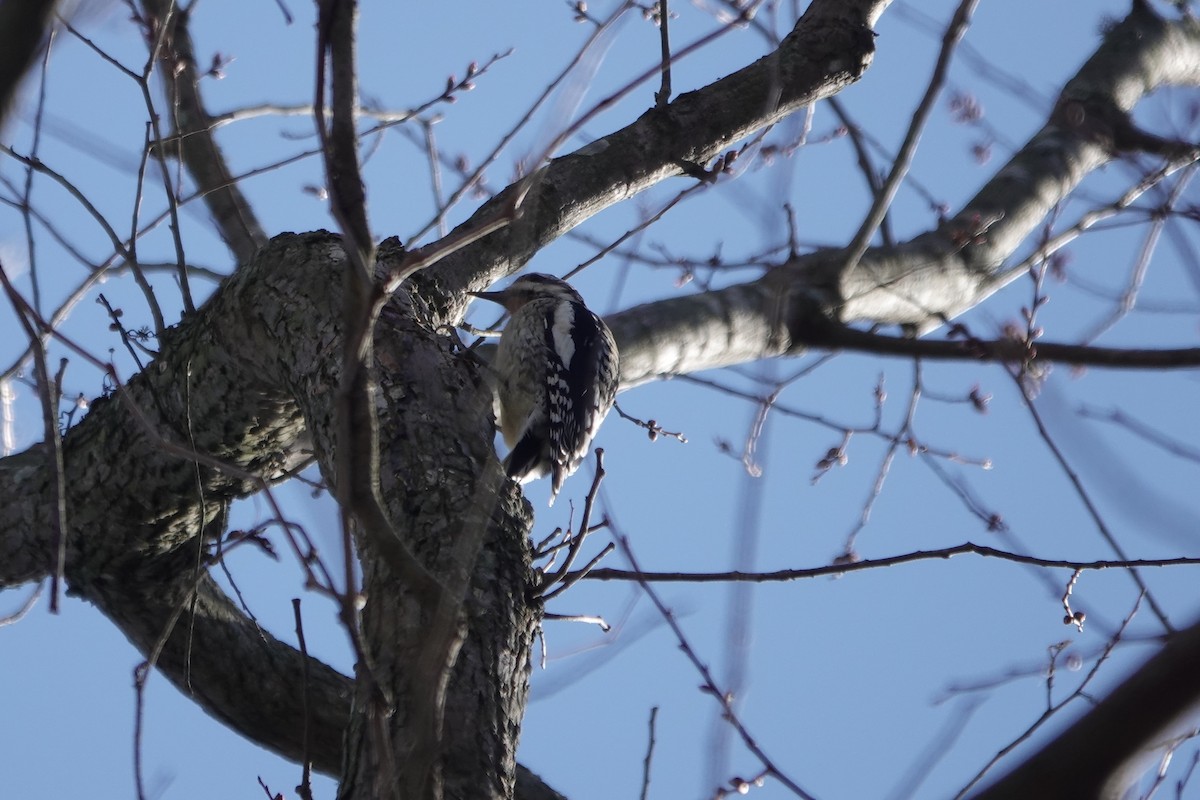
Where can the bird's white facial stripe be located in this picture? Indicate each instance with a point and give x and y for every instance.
(564, 344)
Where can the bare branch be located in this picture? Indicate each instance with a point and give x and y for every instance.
(883, 198)
(829, 48)
(1105, 744)
(1085, 497)
(235, 218)
(709, 684)
(845, 568)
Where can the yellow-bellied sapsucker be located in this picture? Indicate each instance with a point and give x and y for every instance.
(557, 370)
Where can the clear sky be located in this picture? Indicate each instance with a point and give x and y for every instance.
(892, 682)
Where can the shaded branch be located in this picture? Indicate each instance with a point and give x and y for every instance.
(1007, 350)
(24, 27)
(262, 341)
(194, 134)
(945, 553)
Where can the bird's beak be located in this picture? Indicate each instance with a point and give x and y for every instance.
(495, 297)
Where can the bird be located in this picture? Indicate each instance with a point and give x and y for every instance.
(556, 374)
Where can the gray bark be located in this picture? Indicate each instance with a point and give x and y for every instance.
(940, 273)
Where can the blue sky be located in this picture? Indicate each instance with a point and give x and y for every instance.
(840, 678)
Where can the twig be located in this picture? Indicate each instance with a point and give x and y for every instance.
(938, 749)
(1164, 763)
(903, 436)
(589, 619)
(663, 95)
(1085, 498)
(573, 578)
(993, 520)
(1149, 243)
(544, 548)
(709, 685)
(864, 163)
(887, 192)
(115, 315)
(436, 251)
(645, 222)
(170, 24)
(357, 468)
(653, 429)
(1003, 350)
(649, 748)
(1053, 710)
(235, 220)
(25, 608)
(139, 277)
(267, 789)
(750, 450)
(1097, 215)
(843, 568)
(741, 786)
(577, 541)
(141, 673)
(305, 787)
(384, 119)
(357, 436)
(27, 194)
(489, 159)
(435, 174)
(1075, 618)
(71, 189)
(615, 97)
(739, 618)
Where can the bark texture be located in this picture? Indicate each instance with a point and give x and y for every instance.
(931, 278)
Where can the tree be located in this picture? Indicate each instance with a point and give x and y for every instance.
(329, 347)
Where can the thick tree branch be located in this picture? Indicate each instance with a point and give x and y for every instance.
(943, 272)
(260, 359)
(829, 48)
(240, 376)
